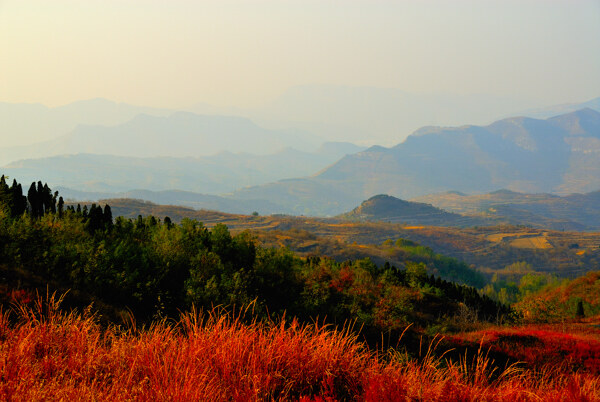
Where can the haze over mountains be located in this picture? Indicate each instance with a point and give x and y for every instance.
(30, 123)
(116, 148)
(333, 113)
(216, 174)
(370, 115)
(181, 134)
(558, 155)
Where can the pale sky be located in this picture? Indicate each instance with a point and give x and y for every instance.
(175, 53)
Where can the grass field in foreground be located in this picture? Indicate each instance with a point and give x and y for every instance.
(46, 354)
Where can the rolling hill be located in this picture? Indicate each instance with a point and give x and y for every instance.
(386, 208)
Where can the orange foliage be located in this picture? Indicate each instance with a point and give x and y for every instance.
(48, 355)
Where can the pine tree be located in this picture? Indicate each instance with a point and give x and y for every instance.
(32, 197)
(40, 198)
(5, 197)
(61, 204)
(108, 216)
(19, 200)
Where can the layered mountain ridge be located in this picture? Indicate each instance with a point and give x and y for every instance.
(558, 155)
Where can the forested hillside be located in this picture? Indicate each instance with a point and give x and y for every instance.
(157, 268)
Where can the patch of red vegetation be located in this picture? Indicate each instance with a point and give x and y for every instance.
(48, 355)
(573, 347)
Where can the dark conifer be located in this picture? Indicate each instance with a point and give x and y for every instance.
(5, 196)
(108, 218)
(32, 197)
(61, 204)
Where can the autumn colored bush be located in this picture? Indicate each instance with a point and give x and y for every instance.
(46, 354)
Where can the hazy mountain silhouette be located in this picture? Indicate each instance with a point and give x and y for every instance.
(216, 174)
(31, 123)
(557, 155)
(380, 115)
(180, 134)
(551, 111)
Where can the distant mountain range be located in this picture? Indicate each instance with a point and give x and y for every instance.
(25, 124)
(557, 155)
(217, 174)
(113, 148)
(333, 113)
(181, 134)
(379, 115)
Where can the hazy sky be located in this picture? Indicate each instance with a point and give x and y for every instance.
(175, 53)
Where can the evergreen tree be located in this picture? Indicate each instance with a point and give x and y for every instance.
(32, 197)
(41, 207)
(95, 219)
(108, 218)
(19, 200)
(5, 196)
(61, 204)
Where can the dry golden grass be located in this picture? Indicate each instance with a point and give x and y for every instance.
(531, 242)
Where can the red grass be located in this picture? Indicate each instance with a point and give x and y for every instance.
(571, 347)
(54, 356)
